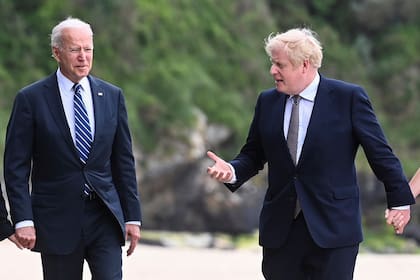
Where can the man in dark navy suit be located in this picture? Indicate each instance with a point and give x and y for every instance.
(308, 130)
(68, 134)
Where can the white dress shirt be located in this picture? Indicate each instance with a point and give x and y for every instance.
(67, 93)
(306, 105)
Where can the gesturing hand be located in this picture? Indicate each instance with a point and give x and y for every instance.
(220, 170)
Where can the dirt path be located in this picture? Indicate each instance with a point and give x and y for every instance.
(158, 263)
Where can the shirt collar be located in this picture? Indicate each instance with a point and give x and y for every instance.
(309, 92)
(66, 84)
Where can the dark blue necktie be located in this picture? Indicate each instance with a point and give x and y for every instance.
(82, 130)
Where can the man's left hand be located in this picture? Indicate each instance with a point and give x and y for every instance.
(132, 234)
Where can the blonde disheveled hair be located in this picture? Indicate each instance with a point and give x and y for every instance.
(299, 44)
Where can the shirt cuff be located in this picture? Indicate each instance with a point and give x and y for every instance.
(404, 207)
(137, 223)
(26, 223)
(234, 179)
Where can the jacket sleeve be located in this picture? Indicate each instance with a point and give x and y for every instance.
(251, 158)
(379, 154)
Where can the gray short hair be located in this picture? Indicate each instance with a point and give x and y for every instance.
(56, 34)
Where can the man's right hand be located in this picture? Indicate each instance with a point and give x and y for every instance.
(26, 237)
(398, 219)
(220, 170)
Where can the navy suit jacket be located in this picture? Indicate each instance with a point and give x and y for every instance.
(39, 147)
(325, 177)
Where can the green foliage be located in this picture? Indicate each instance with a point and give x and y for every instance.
(384, 240)
(375, 44)
(397, 75)
(194, 55)
(172, 57)
(169, 57)
(323, 7)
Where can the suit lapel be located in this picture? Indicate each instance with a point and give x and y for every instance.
(52, 95)
(273, 123)
(279, 115)
(321, 107)
(282, 137)
(98, 97)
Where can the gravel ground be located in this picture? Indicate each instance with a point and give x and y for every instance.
(181, 263)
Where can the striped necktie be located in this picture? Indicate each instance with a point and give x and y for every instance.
(82, 129)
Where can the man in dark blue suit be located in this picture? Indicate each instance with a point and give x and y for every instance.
(68, 134)
(308, 129)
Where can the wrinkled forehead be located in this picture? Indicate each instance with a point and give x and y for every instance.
(77, 35)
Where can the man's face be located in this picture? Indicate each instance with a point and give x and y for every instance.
(75, 56)
(289, 79)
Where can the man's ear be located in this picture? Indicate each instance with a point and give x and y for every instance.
(55, 53)
(306, 64)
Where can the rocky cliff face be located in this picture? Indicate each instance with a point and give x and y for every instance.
(182, 197)
(177, 194)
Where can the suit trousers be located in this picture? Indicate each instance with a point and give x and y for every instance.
(100, 246)
(302, 259)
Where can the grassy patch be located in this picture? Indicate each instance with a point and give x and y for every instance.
(384, 240)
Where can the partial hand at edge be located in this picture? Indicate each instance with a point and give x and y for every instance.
(220, 170)
(415, 183)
